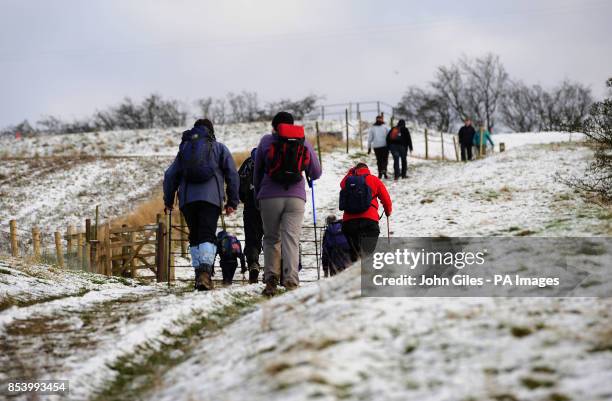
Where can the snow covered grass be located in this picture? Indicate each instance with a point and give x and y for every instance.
(115, 339)
(23, 283)
(326, 342)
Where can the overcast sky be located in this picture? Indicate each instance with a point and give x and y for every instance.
(71, 57)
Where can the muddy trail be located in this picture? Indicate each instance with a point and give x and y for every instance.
(78, 336)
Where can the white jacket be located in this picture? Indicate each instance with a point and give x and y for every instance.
(377, 136)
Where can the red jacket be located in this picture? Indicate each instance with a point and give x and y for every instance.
(378, 192)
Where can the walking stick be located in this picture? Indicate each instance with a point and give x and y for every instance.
(388, 232)
(169, 246)
(314, 219)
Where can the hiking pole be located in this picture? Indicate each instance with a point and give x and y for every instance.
(314, 219)
(388, 231)
(169, 245)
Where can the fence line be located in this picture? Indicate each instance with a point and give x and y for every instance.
(120, 251)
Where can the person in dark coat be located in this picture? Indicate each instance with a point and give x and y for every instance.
(466, 137)
(398, 142)
(251, 217)
(201, 202)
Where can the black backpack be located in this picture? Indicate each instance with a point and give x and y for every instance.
(245, 191)
(195, 158)
(288, 156)
(356, 196)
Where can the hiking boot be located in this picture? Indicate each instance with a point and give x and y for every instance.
(253, 272)
(203, 280)
(270, 289)
(253, 275)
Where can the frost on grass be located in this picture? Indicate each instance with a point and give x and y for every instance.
(22, 283)
(326, 342)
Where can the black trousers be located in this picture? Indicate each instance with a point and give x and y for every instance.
(400, 154)
(362, 235)
(253, 234)
(466, 151)
(201, 218)
(382, 159)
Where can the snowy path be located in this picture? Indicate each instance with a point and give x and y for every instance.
(78, 335)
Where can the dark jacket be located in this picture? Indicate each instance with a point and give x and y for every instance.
(466, 135)
(212, 190)
(403, 136)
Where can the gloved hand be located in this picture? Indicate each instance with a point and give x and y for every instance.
(369, 150)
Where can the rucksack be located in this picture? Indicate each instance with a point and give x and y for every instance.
(394, 134)
(195, 158)
(245, 191)
(356, 196)
(336, 248)
(288, 156)
(334, 238)
(229, 245)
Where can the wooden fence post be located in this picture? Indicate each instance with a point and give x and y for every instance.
(442, 144)
(132, 265)
(481, 143)
(86, 255)
(88, 230)
(455, 146)
(318, 143)
(347, 129)
(14, 243)
(36, 242)
(108, 265)
(58, 249)
(502, 147)
(93, 255)
(97, 222)
(360, 130)
(183, 236)
(69, 240)
(79, 252)
(170, 256)
(125, 249)
(160, 253)
(426, 146)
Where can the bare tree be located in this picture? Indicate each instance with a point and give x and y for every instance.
(564, 107)
(428, 108)
(299, 108)
(597, 127)
(485, 81)
(473, 87)
(218, 111)
(204, 107)
(50, 125)
(519, 107)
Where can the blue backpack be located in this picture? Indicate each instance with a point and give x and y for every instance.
(336, 249)
(356, 196)
(229, 245)
(195, 158)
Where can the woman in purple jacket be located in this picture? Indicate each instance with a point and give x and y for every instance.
(282, 211)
